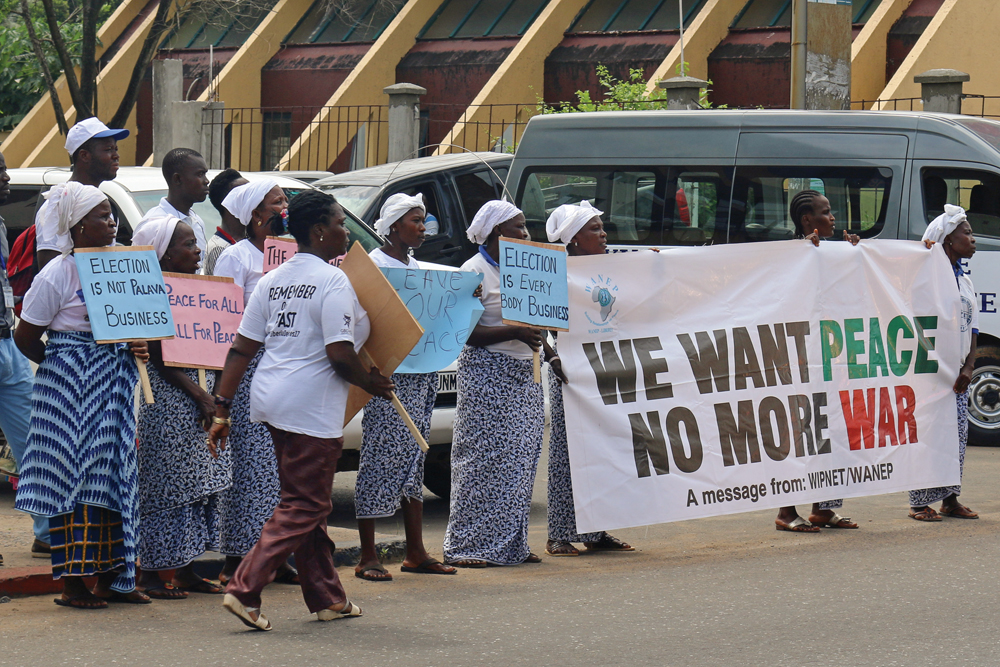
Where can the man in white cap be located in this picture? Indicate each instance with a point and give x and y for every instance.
(93, 151)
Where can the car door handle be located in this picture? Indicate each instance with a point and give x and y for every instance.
(449, 250)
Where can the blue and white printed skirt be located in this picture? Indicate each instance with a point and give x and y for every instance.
(81, 440)
(392, 463)
(494, 456)
(925, 497)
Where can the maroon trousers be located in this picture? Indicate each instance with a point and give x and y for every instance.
(298, 525)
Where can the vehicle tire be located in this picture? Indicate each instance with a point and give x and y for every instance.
(437, 471)
(984, 398)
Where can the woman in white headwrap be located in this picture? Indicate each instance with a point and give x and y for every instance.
(581, 229)
(255, 491)
(179, 479)
(952, 232)
(391, 472)
(499, 418)
(79, 466)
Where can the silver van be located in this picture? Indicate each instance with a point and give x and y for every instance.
(667, 178)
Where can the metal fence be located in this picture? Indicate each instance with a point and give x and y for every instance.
(487, 127)
(981, 106)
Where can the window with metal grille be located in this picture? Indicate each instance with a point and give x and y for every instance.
(358, 21)
(635, 15)
(457, 19)
(276, 138)
(778, 13)
(219, 28)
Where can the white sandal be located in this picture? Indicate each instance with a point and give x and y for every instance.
(236, 608)
(350, 609)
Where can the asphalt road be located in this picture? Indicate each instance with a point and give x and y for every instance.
(721, 591)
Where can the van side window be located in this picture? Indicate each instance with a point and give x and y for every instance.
(434, 222)
(18, 211)
(631, 199)
(859, 197)
(475, 189)
(978, 192)
(697, 210)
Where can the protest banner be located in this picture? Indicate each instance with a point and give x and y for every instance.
(207, 311)
(724, 379)
(277, 251)
(533, 288)
(394, 331)
(125, 296)
(443, 304)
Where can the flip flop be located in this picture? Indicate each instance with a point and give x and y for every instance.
(835, 521)
(797, 525)
(203, 586)
(126, 598)
(236, 608)
(608, 543)
(363, 574)
(169, 592)
(926, 514)
(76, 598)
(425, 568)
(350, 609)
(472, 563)
(959, 512)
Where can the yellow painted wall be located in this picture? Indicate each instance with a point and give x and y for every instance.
(868, 52)
(520, 78)
(318, 146)
(37, 124)
(708, 28)
(960, 36)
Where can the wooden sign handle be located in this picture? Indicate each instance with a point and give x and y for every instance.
(401, 409)
(202, 380)
(147, 389)
(536, 366)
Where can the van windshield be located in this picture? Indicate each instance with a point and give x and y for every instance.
(356, 198)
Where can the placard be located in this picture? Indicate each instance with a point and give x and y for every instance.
(125, 294)
(444, 305)
(533, 284)
(207, 311)
(277, 251)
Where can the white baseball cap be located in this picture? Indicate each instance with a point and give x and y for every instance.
(87, 129)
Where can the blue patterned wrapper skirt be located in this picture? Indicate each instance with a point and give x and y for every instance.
(498, 440)
(81, 451)
(924, 497)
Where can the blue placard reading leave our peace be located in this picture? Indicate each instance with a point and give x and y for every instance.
(444, 305)
(533, 288)
(125, 294)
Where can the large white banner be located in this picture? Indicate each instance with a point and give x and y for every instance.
(724, 379)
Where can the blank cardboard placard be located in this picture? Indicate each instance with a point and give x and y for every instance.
(394, 331)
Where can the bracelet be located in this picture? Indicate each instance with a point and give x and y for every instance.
(222, 420)
(227, 403)
(552, 358)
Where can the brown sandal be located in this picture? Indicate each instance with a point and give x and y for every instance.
(958, 512)
(560, 548)
(608, 543)
(924, 514)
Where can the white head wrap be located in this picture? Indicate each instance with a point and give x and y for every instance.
(243, 199)
(567, 220)
(156, 232)
(395, 207)
(489, 216)
(945, 223)
(67, 204)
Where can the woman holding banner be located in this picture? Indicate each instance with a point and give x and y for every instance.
(179, 480)
(79, 467)
(254, 493)
(811, 210)
(309, 315)
(581, 229)
(954, 233)
(391, 473)
(499, 419)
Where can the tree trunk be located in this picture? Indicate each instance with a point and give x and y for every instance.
(146, 56)
(82, 105)
(36, 46)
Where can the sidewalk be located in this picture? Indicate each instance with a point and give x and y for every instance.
(23, 575)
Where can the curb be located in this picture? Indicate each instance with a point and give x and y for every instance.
(25, 581)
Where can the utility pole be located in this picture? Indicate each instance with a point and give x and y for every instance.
(800, 12)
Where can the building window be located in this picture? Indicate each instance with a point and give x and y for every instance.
(276, 138)
(635, 15)
(350, 21)
(458, 19)
(778, 13)
(220, 28)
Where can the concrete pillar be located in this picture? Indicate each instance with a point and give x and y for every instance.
(941, 89)
(683, 92)
(213, 134)
(168, 87)
(199, 125)
(404, 120)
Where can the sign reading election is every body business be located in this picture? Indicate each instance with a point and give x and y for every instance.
(717, 380)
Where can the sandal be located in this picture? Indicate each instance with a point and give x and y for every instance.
(135, 597)
(474, 563)
(924, 514)
(350, 609)
(77, 601)
(608, 543)
(958, 512)
(560, 548)
(797, 525)
(287, 575)
(236, 608)
(835, 521)
(364, 574)
(532, 559)
(164, 592)
(203, 586)
(427, 567)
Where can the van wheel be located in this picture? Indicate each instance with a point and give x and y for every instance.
(984, 398)
(437, 471)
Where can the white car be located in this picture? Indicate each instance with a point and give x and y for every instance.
(135, 190)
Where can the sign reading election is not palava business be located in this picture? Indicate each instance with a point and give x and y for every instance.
(125, 294)
(444, 305)
(207, 311)
(706, 381)
(533, 284)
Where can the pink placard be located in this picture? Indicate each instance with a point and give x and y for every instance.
(207, 311)
(277, 251)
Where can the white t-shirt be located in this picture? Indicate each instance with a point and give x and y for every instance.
(193, 220)
(969, 317)
(244, 264)
(55, 298)
(491, 316)
(386, 261)
(296, 311)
